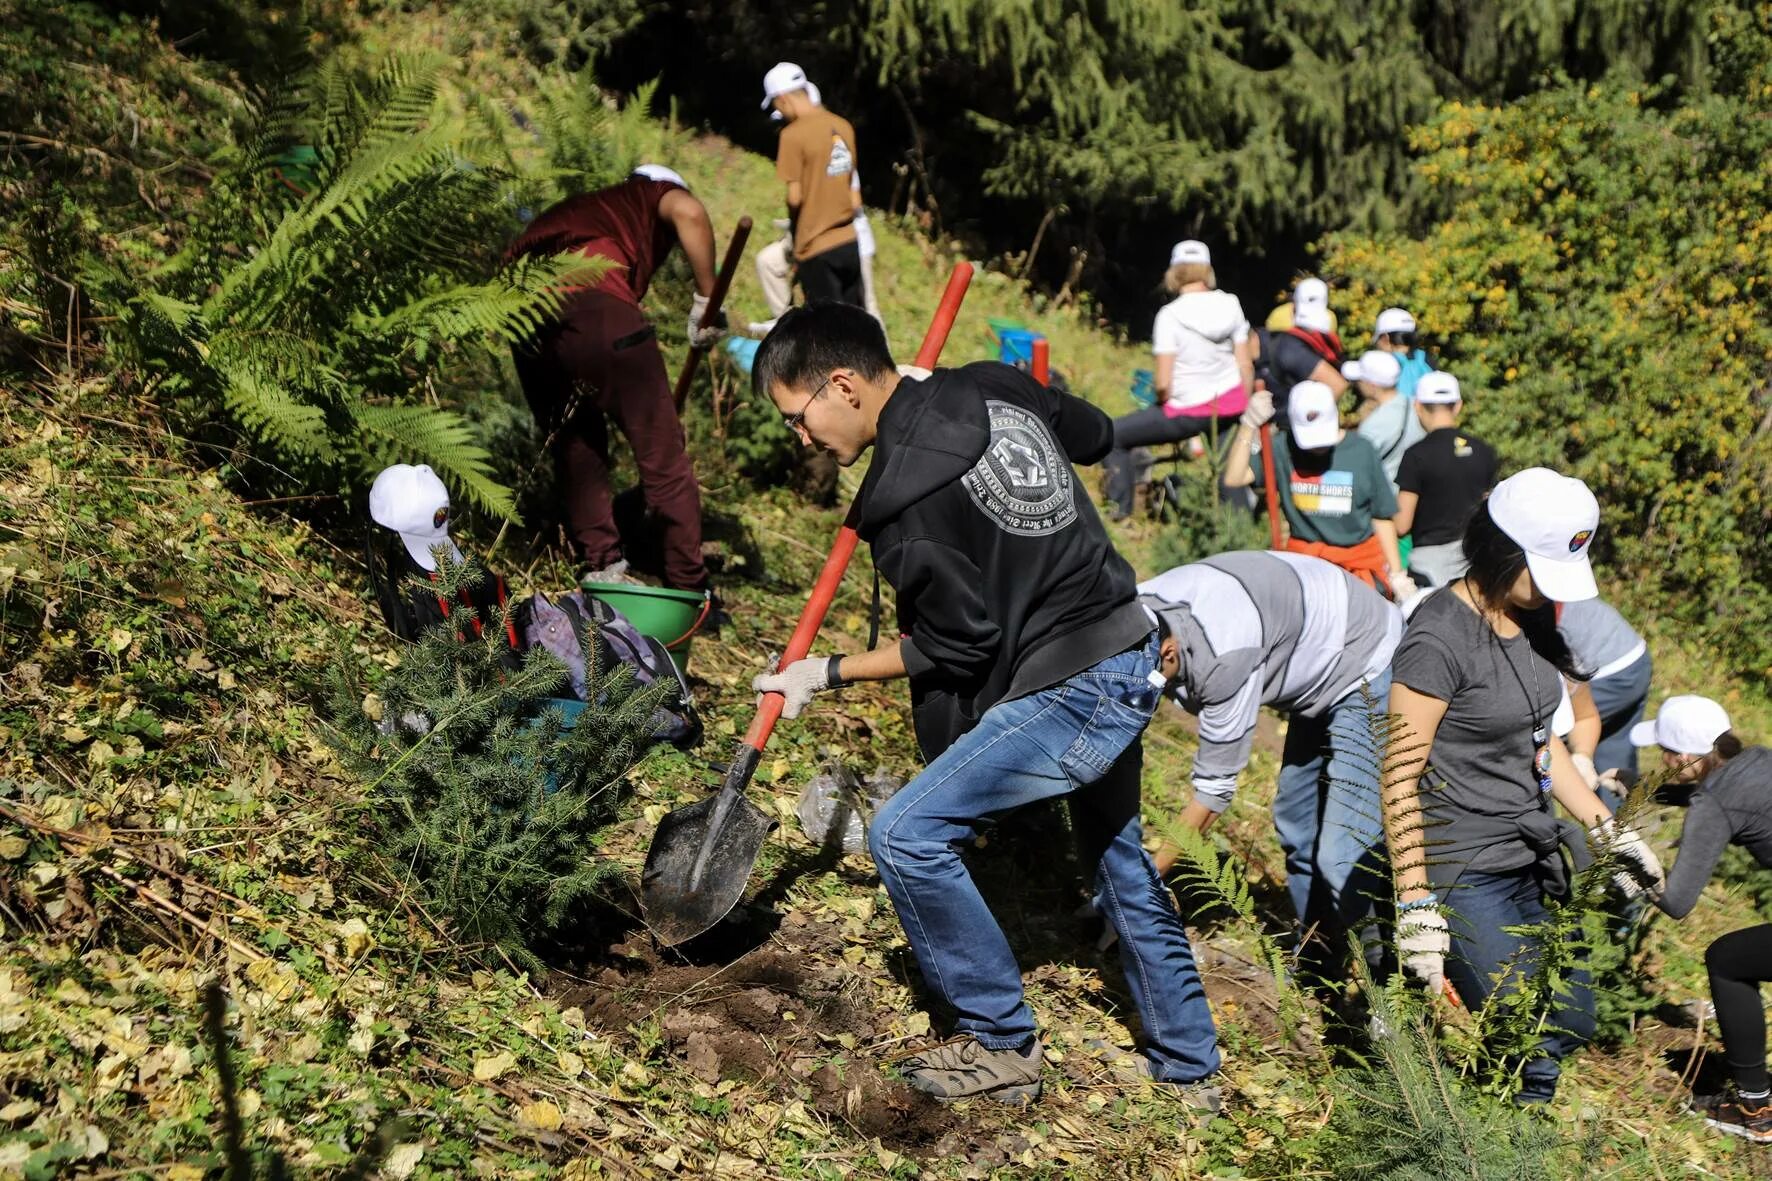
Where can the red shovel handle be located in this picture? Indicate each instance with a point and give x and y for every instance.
(722, 282)
(825, 589)
(1273, 491)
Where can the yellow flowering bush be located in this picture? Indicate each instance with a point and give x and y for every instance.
(1593, 268)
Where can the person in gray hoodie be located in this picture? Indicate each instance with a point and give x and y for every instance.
(1731, 804)
(1253, 628)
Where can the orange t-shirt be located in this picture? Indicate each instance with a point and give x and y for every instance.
(818, 150)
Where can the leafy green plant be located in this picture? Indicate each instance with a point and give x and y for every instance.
(1201, 523)
(319, 321)
(1592, 273)
(491, 804)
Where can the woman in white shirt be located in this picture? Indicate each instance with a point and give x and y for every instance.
(1204, 366)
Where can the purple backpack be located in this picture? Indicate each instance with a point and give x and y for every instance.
(567, 628)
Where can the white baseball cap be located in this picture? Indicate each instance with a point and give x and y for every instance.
(1688, 725)
(1312, 318)
(812, 96)
(1315, 421)
(1553, 518)
(660, 172)
(1190, 250)
(1437, 388)
(1393, 320)
(413, 503)
(1311, 293)
(1380, 368)
(782, 78)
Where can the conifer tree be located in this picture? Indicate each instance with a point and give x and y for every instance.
(486, 798)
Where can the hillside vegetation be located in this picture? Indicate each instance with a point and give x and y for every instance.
(177, 598)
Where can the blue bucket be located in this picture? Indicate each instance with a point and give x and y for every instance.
(1015, 346)
(744, 351)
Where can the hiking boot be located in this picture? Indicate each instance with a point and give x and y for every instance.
(967, 1069)
(1737, 1118)
(1203, 1095)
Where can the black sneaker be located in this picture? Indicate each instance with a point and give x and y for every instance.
(1737, 1118)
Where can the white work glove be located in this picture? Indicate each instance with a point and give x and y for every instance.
(914, 372)
(1584, 766)
(704, 338)
(1259, 410)
(1423, 942)
(864, 235)
(799, 682)
(1403, 587)
(1638, 866)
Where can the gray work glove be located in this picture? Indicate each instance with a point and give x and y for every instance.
(1423, 942)
(799, 682)
(1259, 410)
(704, 338)
(1638, 867)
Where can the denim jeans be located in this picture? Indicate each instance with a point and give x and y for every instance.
(1481, 907)
(1080, 737)
(1327, 814)
(1621, 699)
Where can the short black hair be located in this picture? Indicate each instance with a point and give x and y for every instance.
(807, 343)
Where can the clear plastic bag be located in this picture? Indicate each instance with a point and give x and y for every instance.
(835, 806)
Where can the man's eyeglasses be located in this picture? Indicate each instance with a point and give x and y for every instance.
(794, 420)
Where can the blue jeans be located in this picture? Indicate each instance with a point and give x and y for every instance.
(1327, 814)
(1481, 907)
(1621, 699)
(1079, 737)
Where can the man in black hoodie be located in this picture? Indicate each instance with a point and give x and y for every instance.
(1033, 675)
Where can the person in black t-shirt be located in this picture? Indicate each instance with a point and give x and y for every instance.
(1440, 482)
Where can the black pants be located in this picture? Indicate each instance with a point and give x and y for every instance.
(1738, 963)
(1144, 428)
(834, 276)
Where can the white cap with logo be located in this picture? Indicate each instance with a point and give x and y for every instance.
(1380, 368)
(413, 502)
(660, 172)
(1310, 408)
(1393, 320)
(1311, 293)
(1553, 518)
(782, 78)
(1190, 250)
(1688, 725)
(1437, 388)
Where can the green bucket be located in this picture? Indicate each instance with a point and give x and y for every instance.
(671, 617)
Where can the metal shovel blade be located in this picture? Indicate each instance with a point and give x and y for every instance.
(700, 862)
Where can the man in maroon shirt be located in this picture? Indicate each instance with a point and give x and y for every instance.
(599, 361)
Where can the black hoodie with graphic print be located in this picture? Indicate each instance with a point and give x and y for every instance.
(1006, 581)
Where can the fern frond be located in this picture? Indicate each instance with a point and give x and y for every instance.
(441, 438)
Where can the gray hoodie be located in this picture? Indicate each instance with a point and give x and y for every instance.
(1263, 628)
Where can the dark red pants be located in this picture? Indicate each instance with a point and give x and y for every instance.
(600, 361)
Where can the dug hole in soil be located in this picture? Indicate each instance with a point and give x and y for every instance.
(774, 1018)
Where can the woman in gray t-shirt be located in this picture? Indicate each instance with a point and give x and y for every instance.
(1474, 840)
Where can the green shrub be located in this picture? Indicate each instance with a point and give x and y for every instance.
(320, 323)
(1597, 283)
(486, 800)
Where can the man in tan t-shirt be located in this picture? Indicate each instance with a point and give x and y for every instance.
(816, 159)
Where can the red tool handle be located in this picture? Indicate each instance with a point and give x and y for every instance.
(722, 282)
(825, 588)
(1273, 492)
(1042, 361)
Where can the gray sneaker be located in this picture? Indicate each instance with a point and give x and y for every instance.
(966, 1069)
